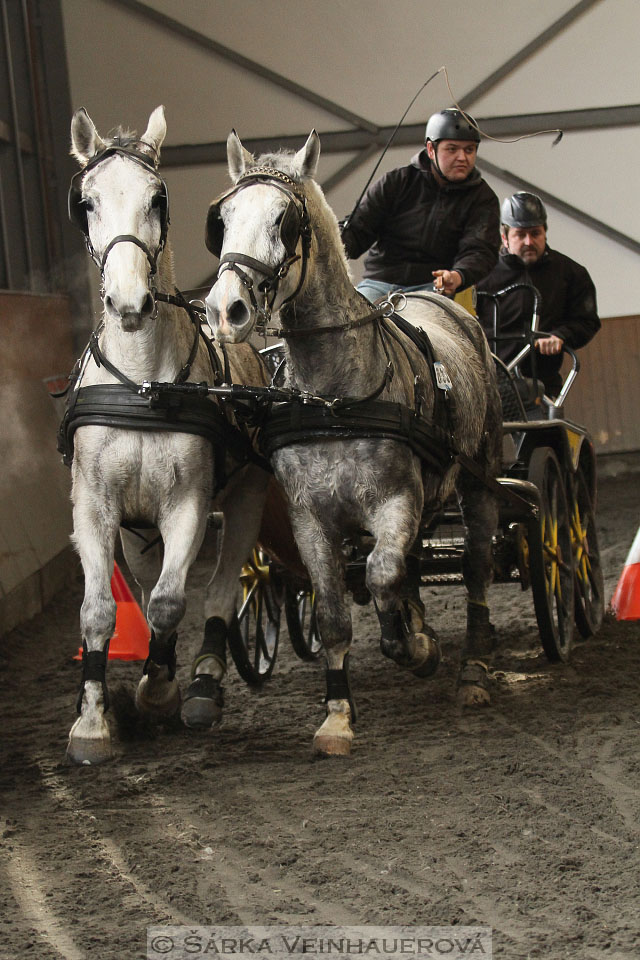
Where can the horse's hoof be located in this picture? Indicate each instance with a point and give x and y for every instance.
(203, 702)
(473, 683)
(325, 746)
(83, 749)
(333, 738)
(425, 655)
(471, 696)
(159, 699)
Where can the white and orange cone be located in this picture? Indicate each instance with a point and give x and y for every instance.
(130, 640)
(625, 601)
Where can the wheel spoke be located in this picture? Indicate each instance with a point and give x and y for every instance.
(247, 600)
(551, 555)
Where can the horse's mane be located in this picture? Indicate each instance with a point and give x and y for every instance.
(122, 137)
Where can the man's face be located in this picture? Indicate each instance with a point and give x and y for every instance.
(528, 243)
(456, 158)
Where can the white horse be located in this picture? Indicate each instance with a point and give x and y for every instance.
(353, 465)
(161, 479)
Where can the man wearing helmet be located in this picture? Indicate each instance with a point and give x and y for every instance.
(433, 224)
(568, 311)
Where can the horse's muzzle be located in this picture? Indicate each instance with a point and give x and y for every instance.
(231, 324)
(132, 316)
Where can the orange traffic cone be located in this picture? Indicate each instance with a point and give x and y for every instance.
(130, 640)
(625, 601)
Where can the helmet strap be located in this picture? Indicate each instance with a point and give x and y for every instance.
(436, 162)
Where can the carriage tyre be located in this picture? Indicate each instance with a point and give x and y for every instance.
(551, 557)
(302, 623)
(589, 580)
(254, 644)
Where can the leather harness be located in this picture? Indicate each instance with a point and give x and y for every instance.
(177, 407)
(306, 419)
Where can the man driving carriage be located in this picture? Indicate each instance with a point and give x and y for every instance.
(432, 224)
(568, 310)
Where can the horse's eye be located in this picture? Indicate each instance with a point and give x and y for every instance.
(156, 202)
(88, 204)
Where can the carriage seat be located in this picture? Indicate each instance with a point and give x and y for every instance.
(531, 391)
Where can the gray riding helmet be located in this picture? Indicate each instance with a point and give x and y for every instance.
(451, 124)
(523, 210)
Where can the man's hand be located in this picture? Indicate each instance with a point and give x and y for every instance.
(447, 281)
(550, 345)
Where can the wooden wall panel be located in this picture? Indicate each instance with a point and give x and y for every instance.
(606, 396)
(35, 336)
(35, 508)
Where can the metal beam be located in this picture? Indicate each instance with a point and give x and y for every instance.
(574, 212)
(212, 46)
(347, 141)
(345, 171)
(525, 53)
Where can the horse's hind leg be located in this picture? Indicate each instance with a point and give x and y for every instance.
(182, 529)
(89, 738)
(241, 503)
(143, 553)
(480, 514)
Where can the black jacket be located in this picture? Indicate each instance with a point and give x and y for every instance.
(411, 225)
(568, 306)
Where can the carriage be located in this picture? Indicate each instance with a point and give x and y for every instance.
(546, 539)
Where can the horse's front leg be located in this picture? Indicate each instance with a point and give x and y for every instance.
(319, 546)
(95, 528)
(405, 637)
(480, 514)
(182, 528)
(241, 504)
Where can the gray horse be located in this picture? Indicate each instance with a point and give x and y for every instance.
(280, 250)
(163, 479)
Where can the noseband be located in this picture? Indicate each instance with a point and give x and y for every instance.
(294, 227)
(78, 213)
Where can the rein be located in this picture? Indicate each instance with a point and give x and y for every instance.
(194, 315)
(176, 407)
(280, 332)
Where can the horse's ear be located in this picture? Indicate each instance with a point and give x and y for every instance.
(237, 156)
(85, 141)
(156, 131)
(307, 159)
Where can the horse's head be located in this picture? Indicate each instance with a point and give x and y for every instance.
(121, 205)
(260, 231)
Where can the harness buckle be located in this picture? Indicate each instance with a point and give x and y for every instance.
(402, 301)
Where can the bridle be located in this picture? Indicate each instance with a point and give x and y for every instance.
(295, 227)
(78, 213)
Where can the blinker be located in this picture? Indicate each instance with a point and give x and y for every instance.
(291, 222)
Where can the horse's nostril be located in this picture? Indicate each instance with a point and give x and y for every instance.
(148, 306)
(110, 307)
(238, 313)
